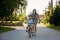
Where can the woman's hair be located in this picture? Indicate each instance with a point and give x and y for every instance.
(34, 10)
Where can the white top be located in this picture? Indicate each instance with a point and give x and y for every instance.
(30, 21)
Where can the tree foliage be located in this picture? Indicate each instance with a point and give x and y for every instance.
(55, 18)
(7, 7)
(21, 17)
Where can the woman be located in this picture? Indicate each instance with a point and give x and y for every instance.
(35, 18)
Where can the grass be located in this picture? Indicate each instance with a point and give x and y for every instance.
(14, 23)
(5, 29)
(54, 27)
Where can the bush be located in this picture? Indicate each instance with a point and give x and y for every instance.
(55, 18)
(46, 20)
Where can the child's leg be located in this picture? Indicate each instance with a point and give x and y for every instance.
(27, 28)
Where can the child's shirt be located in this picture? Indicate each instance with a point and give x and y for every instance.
(30, 22)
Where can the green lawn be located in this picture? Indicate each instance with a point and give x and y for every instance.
(5, 29)
(54, 27)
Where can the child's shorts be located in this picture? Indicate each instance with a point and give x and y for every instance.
(29, 25)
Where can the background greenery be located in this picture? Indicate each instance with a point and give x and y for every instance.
(52, 19)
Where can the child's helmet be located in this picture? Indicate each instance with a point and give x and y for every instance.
(30, 15)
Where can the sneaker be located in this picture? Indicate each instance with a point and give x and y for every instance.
(34, 34)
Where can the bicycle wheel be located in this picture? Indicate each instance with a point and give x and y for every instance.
(30, 32)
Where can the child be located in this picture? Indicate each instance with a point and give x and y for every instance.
(30, 21)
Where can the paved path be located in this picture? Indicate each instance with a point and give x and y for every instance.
(43, 33)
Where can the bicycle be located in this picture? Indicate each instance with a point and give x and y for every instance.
(30, 31)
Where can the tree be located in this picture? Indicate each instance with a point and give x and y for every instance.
(8, 6)
(55, 18)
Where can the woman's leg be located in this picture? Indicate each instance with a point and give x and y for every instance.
(27, 28)
(35, 28)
